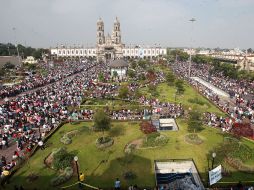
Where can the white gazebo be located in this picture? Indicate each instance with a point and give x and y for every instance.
(120, 66)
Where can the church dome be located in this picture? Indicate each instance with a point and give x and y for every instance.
(100, 21)
(116, 21)
(118, 63)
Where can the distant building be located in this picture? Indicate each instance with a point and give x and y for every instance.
(190, 51)
(108, 47)
(15, 60)
(30, 60)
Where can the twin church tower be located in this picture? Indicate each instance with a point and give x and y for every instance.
(109, 47)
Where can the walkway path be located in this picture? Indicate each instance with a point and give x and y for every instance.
(211, 87)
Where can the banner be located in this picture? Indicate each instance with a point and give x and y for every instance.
(215, 175)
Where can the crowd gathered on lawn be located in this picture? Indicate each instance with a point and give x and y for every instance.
(40, 79)
(239, 105)
(33, 108)
(46, 101)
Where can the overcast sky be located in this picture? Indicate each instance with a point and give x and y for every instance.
(46, 23)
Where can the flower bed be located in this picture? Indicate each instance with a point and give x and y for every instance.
(239, 165)
(66, 139)
(193, 139)
(104, 142)
(155, 140)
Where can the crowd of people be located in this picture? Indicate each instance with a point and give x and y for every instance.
(50, 74)
(26, 119)
(239, 105)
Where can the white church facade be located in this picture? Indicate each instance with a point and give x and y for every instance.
(109, 47)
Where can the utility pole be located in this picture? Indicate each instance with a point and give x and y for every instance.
(14, 30)
(191, 20)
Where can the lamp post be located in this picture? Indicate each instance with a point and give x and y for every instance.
(213, 155)
(76, 162)
(189, 72)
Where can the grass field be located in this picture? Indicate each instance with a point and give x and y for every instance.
(167, 94)
(141, 162)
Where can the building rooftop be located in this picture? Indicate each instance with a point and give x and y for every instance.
(118, 63)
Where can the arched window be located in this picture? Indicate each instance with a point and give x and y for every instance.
(99, 34)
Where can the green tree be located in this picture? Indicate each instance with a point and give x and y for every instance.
(179, 86)
(153, 90)
(142, 63)
(142, 76)
(9, 65)
(123, 92)
(101, 77)
(170, 77)
(131, 73)
(150, 75)
(37, 53)
(133, 64)
(201, 59)
(195, 121)
(181, 56)
(115, 74)
(137, 94)
(101, 121)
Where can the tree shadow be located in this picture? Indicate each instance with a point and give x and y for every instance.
(117, 131)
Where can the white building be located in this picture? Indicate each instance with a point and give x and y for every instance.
(30, 60)
(108, 48)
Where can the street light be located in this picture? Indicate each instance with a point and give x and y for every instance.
(76, 162)
(213, 155)
(191, 20)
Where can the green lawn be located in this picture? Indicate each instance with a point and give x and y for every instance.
(94, 104)
(141, 163)
(167, 94)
